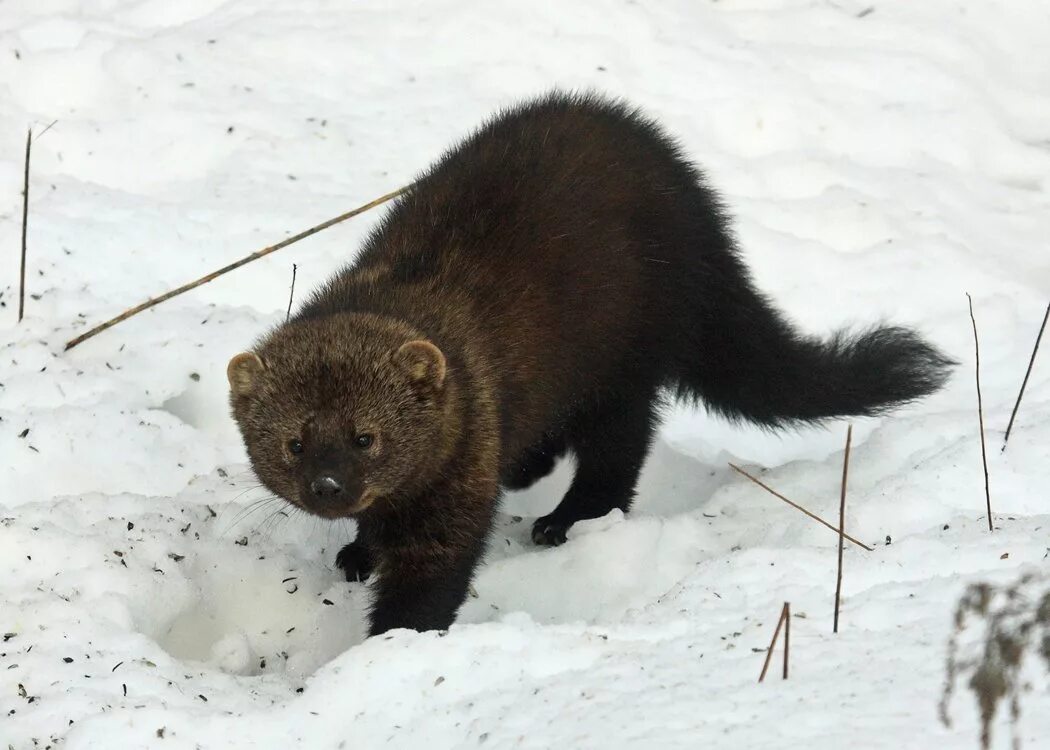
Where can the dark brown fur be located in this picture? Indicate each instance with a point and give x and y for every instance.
(534, 293)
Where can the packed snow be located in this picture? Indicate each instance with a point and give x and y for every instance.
(881, 159)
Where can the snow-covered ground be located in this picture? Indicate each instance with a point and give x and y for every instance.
(881, 159)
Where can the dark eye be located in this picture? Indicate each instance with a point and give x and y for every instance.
(364, 441)
(295, 446)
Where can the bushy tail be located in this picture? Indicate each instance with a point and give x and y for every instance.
(751, 364)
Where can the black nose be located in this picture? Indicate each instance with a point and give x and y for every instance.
(326, 486)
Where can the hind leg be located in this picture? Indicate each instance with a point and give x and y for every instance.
(535, 463)
(611, 443)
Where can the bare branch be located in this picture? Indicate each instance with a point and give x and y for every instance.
(291, 295)
(980, 412)
(842, 524)
(796, 506)
(782, 621)
(25, 225)
(226, 269)
(1028, 372)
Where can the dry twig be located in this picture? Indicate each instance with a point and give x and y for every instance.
(842, 524)
(226, 269)
(25, 224)
(796, 506)
(980, 411)
(291, 294)
(25, 219)
(1028, 372)
(783, 621)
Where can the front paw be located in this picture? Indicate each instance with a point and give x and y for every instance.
(548, 531)
(356, 561)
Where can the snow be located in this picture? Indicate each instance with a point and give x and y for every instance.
(881, 160)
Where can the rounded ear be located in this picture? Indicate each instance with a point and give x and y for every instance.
(424, 363)
(243, 372)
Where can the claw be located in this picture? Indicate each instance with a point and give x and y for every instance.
(355, 562)
(549, 533)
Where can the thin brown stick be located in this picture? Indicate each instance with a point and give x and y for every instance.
(842, 524)
(787, 636)
(49, 126)
(25, 225)
(1028, 372)
(772, 645)
(291, 294)
(980, 411)
(226, 269)
(796, 506)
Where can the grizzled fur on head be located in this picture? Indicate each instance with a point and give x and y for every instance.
(360, 399)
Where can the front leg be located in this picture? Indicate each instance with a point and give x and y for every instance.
(422, 589)
(427, 552)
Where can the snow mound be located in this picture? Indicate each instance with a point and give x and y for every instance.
(881, 160)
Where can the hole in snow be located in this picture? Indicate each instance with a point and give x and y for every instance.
(247, 616)
(184, 407)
